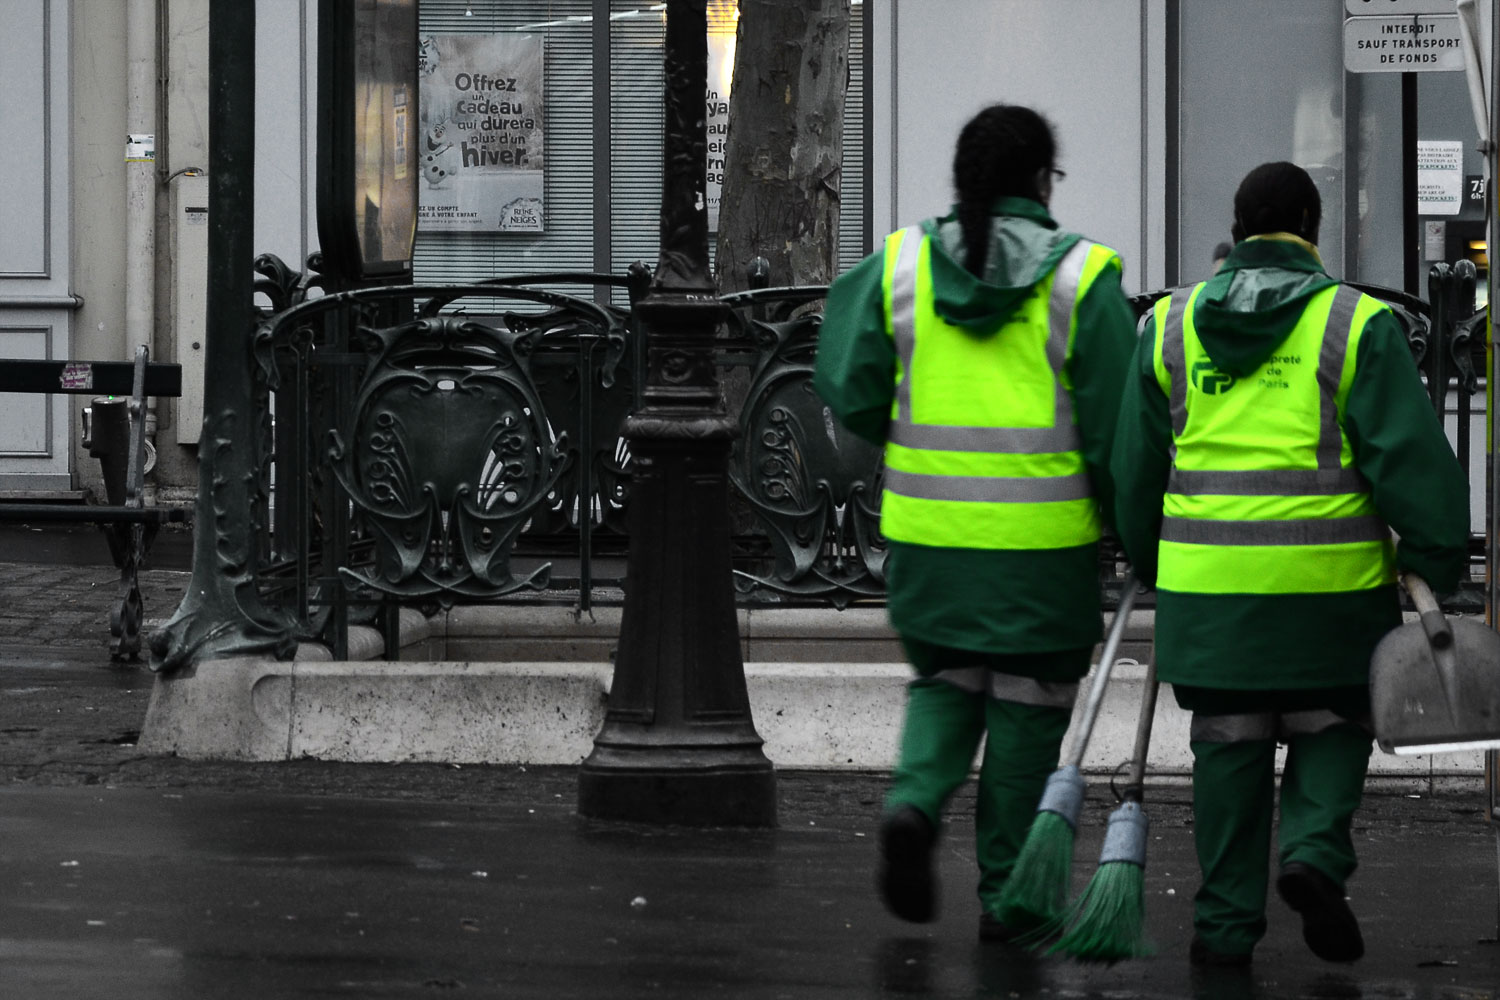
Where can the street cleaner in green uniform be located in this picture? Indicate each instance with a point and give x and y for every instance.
(986, 352)
(1273, 431)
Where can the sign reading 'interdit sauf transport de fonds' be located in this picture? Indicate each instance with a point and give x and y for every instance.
(1407, 7)
(1409, 43)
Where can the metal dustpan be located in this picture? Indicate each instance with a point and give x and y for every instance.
(1435, 684)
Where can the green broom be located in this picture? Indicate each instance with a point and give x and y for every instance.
(1036, 892)
(1108, 922)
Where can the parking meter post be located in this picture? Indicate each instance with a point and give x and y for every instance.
(106, 436)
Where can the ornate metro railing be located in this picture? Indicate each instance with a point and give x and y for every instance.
(432, 445)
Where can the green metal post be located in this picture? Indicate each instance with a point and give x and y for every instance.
(221, 614)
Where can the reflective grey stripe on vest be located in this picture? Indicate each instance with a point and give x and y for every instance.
(1252, 726)
(1266, 482)
(987, 489)
(1330, 369)
(904, 309)
(1300, 531)
(1174, 359)
(1062, 436)
(1009, 687)
(1329, 478)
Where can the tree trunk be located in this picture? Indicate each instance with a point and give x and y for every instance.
(785, 144)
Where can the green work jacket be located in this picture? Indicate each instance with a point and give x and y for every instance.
(976, 596)
(1315, 622)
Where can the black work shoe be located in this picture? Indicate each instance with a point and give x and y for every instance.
(994, 929)
(905, 878)
(1201, 954)
(1328, 925)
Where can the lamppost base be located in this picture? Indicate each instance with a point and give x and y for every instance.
(671, 787)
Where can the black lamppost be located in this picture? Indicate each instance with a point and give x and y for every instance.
(678, 744)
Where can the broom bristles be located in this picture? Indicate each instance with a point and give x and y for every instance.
(1108, 922)
(1036, 893)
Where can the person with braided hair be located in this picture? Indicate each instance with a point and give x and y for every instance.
(986, 351)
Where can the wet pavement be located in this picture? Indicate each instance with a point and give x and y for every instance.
(175, 892)
(130, 876)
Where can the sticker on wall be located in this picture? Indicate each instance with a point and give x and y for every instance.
(140, 147)
(398, 130)
(1434, 240)
(76, 375)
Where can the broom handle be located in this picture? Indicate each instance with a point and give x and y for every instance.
(1101, 676)
(1136, 786)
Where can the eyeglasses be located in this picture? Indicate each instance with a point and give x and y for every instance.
(1061, 175)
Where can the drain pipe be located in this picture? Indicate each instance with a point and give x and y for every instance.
(140, 197)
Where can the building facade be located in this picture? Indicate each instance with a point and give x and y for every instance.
(1160, 107)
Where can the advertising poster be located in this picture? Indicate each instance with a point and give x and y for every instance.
(482, 142)
(721, 39)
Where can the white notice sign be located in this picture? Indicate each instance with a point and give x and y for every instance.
(1418, 44)
(1364, 7)
(1440, 177)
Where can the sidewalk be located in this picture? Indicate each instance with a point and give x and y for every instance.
(129, 875)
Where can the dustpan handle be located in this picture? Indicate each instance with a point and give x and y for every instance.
(1439, 637)
(1434, 622)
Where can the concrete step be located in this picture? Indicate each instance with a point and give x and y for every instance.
(812, 713)
(767, 635)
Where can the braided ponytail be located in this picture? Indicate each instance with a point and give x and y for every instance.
(999, 153)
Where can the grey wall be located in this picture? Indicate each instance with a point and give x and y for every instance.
(1092, 68)
(286, 57)
(1262, 80)
(285, 154)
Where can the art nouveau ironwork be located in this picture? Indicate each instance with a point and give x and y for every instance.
(814, 486)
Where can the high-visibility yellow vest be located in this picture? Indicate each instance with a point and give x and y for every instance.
(1263, 496)
(983, 450)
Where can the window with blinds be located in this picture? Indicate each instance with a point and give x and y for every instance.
(625, 185)
(636, 85)
(567, 240)
(854, 235)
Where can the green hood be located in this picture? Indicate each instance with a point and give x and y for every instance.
(1025, 246)
(1246, 310)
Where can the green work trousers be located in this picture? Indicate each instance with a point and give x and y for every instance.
(1234, 800)
(941, 734)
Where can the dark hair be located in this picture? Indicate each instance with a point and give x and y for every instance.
(1277, 198)
(999, 153)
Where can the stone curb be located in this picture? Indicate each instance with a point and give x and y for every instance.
(811, 715)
